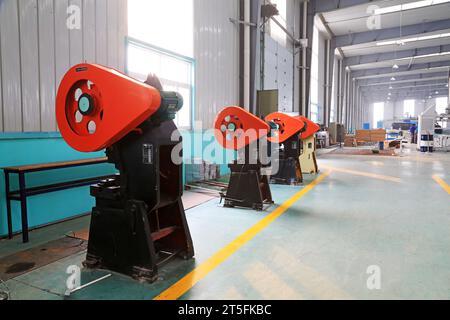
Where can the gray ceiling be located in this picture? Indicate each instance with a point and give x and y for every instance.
(416, 39)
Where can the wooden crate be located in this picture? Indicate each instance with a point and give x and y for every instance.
(376, 135)
(350, 141)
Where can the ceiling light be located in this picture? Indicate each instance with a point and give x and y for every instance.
(393, 79)
(429, 97)
(437, 92)
(425, 55)
(409, 6)
(390, 87)
(395, 66)
(389, 94)
(388, 9)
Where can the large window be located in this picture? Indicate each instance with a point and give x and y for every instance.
(167, 24)
(378, 114)
(314, 92)
(409, 108)
(175, 73)
(161, 42)
(441, 105)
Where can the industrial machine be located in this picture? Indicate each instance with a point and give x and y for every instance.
(237, 129)
(281, 134)
(427, 120)
(287, 136)
(337, 132)
(308, 160)
(138, 221)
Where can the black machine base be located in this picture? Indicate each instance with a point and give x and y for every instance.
(247, 188)
(138, 221)
(133, 240)
(289, 172)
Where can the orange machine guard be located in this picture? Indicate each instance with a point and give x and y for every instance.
(97, 106)
(233, 125)
(311, 127)
(287, 126)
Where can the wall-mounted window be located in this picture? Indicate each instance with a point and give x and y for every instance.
(174, 71)
(314, 92)
(161, 41)
(378, 114)
(409, 107)
(441, 105)
(167, 24)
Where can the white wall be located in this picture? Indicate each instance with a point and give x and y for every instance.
(280, 70)
(278, 73)
(37, 48)
(216, 51)
(321, 77)
(393, 111)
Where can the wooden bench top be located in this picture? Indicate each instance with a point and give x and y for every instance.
(56, 165)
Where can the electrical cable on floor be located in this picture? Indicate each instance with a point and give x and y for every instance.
(73, 236)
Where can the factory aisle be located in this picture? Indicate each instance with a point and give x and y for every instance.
(321, 247)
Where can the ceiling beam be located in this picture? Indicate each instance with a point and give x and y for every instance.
(443, 69)
(441, 56)
(389, 33)
(395, 88)
(399, 43)
(416, 80)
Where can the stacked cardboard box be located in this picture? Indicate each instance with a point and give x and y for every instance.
(376, 135)
(350, 140)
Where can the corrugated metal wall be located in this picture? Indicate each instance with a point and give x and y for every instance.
(216, 50)
(278, 73)
(37, 48)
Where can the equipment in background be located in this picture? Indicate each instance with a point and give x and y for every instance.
(337, 133)
(287, 135)
(442, 132)
(138, 221)
(237, 129)
(267, 102)
(442, 142)
(308, 160)
(322, 139)
(427, 120)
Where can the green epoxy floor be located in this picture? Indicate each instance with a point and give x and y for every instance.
(318, 249)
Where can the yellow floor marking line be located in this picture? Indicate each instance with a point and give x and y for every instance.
(442, 183)
(188, 281)
(364, 174)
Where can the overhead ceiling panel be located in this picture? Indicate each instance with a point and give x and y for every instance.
(357, 18)
(375, 47)
(418, 82)
(405, 73)
(401, 62)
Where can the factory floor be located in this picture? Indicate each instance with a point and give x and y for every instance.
(387, 215)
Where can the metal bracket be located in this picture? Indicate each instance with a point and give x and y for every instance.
(246, 23)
